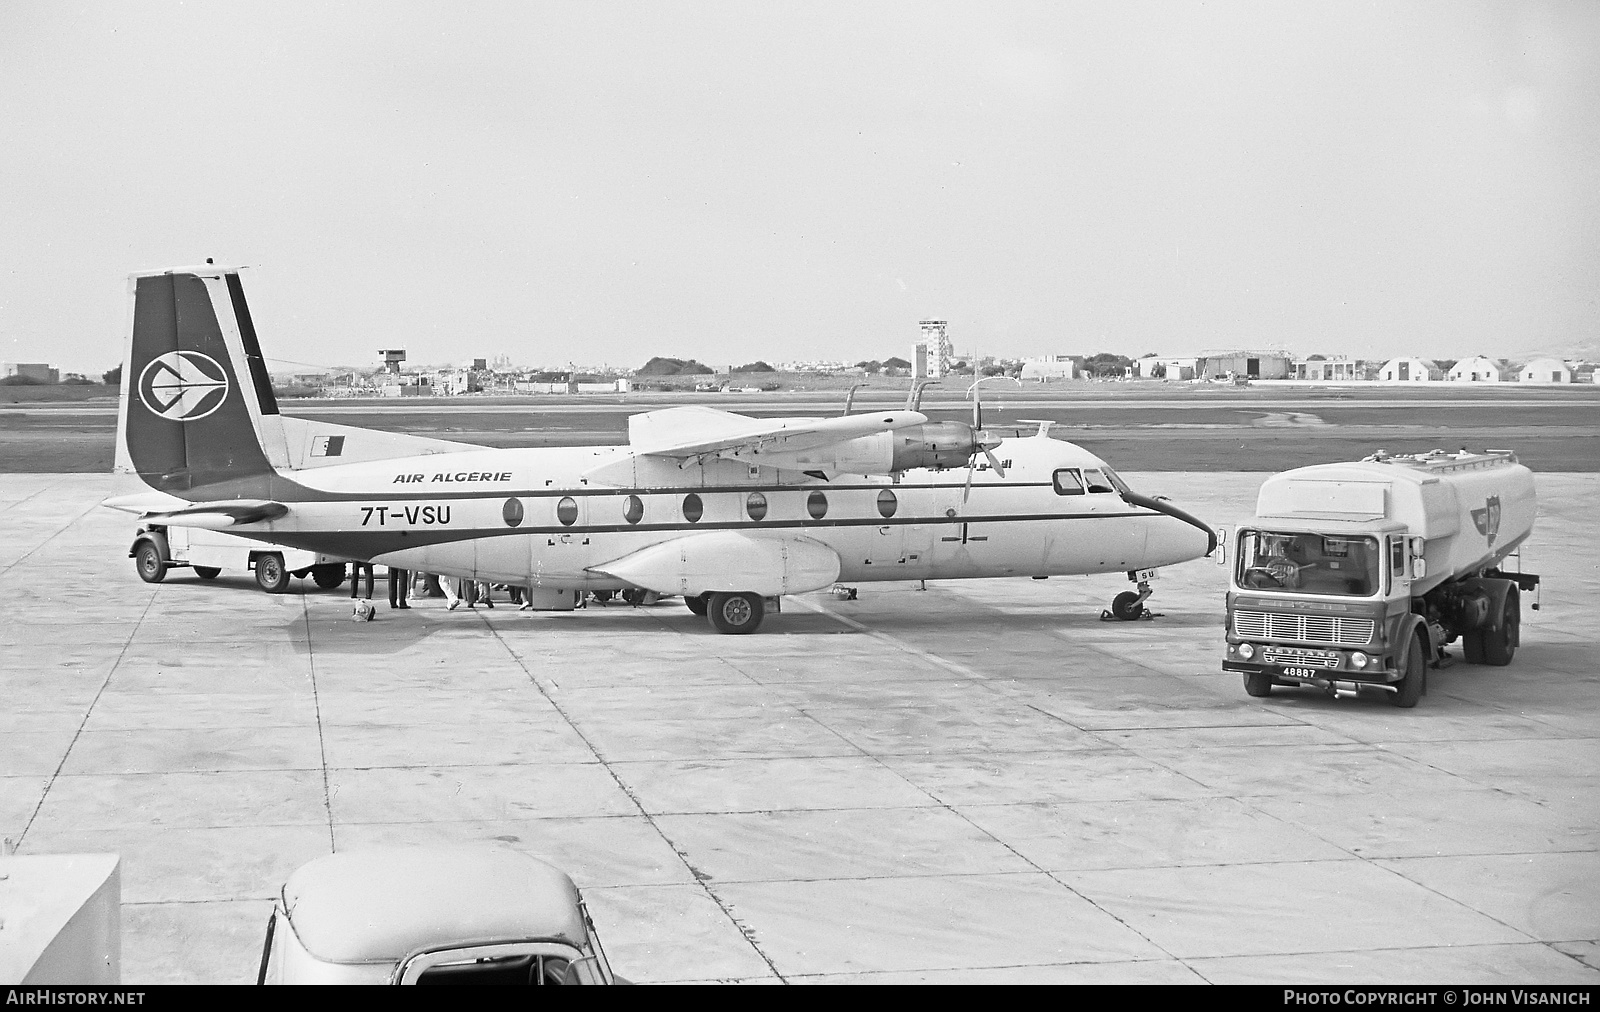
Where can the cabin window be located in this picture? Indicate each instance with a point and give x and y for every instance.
(817, 505)
(567, 511)
(1397, 556)
(1096, 480)
(693, 508)
(1068, 482)
(633, 509)
(887, 504)
(511, 512)
(755, 504)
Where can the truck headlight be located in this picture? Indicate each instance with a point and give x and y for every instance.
(1246, 651)
(1359, 659)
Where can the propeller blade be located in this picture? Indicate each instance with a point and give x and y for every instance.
(966, 489)
(993, 462)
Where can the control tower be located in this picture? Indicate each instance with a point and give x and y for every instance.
(392, 357)
(935, 334)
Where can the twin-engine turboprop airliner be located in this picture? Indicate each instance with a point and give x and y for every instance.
(727, 510)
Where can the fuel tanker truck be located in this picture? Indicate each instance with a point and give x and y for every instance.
(1355, 576)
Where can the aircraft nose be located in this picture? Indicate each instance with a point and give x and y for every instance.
(1177, 537)
(1175, 540)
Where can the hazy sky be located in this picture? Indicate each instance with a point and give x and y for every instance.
(598, 182)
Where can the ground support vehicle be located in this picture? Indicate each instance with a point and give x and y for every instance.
(157, 548)
(439, 915)
(1356, 576)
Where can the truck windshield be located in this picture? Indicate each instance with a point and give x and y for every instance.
(1307, 563)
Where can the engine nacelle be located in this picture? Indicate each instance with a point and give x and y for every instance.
(934, 444)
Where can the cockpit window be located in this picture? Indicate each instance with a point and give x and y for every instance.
(1117, 482)
(1097, 480)
(1068, 482)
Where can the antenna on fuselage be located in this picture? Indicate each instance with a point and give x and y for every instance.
(850, 398)
(914, 398)
(1044, 425)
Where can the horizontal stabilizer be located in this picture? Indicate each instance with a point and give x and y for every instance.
(217, 516)
(728, 561)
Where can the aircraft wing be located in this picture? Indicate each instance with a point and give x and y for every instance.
(688, 432)
(768, 565)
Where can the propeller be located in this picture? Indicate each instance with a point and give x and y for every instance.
(983, 443)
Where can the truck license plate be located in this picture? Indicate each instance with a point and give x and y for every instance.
(1300, 672)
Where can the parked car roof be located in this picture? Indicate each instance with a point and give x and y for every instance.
(379, 905)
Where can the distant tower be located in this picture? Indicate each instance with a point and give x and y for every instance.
(392, 357)
(936, 334)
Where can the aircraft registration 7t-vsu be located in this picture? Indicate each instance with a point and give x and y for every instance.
(727, 510)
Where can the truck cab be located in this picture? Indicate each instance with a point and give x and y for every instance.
(1321, 603)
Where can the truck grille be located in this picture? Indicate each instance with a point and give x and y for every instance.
(1316, 628)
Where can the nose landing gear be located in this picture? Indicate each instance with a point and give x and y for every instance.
(1128, 606)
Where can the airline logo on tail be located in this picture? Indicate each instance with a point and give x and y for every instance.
(183, 385)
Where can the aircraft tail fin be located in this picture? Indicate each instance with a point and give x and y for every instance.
(197, 407)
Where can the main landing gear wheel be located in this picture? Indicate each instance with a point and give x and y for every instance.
(735, 614)
(1500, 645)
(698, 603)
(1127, 606)
(1258, 683)
(270, 574)
(1409, 689)
(148, 561)
(207, 572)
(328, 576)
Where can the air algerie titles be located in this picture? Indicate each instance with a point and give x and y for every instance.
(412, 479)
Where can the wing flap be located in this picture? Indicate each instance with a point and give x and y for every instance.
(728, 561)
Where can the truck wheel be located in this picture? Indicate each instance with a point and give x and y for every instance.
(148, 561)
(207, 572)
(1500, 645)
(1258, 683)
(1127, 606)
(1409, 689)
(698, 603)
(735, 614)
(1472, 647)
(328, 575)
(270, 574)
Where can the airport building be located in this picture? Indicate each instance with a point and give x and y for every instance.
(1410, 370)
(35, 371)
(1049, 367)
(1546, 370)
(1328, 370)
(1256, 365)
(1477, 369)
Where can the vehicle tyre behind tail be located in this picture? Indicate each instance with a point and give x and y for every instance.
(1500, 643)
(698, 603)
(1472, 647)
(328, 575)
(735, 614)
(1409, 689)
(147, 560)
(207, 572)
(270, 574)
(1258, 683)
